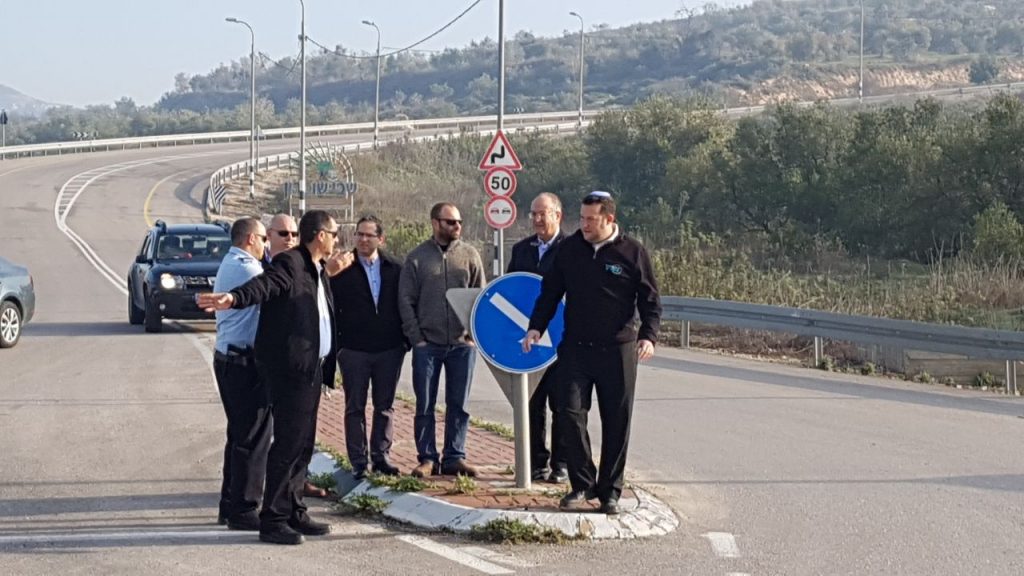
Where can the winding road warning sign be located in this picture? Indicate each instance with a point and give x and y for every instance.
(500, 154)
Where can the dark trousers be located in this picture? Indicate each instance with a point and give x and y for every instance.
(611, 370)
(546, 395)
(458, 362)
(360, 370)
(246, 404)
(295, 406)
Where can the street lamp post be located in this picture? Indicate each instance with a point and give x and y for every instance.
(376, 105)
(252, 110)
(579, 124)
(860, 83)
(302, 116)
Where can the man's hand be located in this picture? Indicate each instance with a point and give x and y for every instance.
(532, 337)
(644, 350)
(339, 261)
(213, 301)
(326, 391)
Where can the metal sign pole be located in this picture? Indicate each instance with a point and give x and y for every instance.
(521, 414)
(499, 236)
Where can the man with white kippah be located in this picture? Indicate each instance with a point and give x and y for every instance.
(606, 278)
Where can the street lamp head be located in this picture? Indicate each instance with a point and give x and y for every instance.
(368, 23)
(575, 14)
(235, 20)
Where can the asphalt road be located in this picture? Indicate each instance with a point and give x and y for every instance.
(111, 438)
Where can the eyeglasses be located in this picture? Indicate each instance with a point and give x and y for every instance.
(331, 232)
(541, 214)
(287, 233)
(262, 237)
(449, 221)
(366, 235)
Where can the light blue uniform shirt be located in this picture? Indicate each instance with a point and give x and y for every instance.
(236, 327)
(372, 268)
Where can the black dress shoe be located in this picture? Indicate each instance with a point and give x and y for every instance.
(310, 527)
(222, 519)
(558, 476)
(539, 474)
(610, 507)
(245, 521)
(359, 473)
(281, 534)
(576, 498)
(386, 468)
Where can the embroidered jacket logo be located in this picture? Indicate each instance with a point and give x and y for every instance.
(614, 269)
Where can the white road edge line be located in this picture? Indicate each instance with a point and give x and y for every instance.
(134, 536)
(724, 544)
(454, 555)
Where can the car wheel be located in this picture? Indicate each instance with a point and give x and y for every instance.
(10, 324)
(153, 320)
(135, 314)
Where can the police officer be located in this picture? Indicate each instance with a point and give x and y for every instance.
(244, 395)
(536, 254)
(606, 278)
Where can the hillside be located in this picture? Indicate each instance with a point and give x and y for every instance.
(18, 104)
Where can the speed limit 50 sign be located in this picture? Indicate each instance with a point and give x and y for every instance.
(500, 182)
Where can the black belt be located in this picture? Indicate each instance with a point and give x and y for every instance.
(235, 359)
(591, 344)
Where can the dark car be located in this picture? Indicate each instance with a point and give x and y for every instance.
(17, 301)
(175, 263)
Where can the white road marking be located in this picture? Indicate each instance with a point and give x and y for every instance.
(507, 559)
(516, 316)
(454, 555)
(724, 544)
(737, 574)
(135, 536)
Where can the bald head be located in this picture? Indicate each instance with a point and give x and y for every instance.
(283, 232)
(546, 215)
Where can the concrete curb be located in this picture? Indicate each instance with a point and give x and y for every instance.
(642, 517)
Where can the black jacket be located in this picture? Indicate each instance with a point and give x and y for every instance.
(361, 326)
(288, 336)
(602, 290)
(524, 255)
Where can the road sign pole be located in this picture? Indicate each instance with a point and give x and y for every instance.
(521, 413)
(499, 237)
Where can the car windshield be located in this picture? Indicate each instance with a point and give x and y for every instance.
(193, 246)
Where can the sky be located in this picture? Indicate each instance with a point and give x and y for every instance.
(82, 52)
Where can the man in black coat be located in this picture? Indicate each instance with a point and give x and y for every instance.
(536, 254)
(607, 280)
(371, 346)
(294, 353)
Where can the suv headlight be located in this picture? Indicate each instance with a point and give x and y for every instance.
(171, 282)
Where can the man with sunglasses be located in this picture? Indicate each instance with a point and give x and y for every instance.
(244, 395)
(294, 352)
(371, 347)
(284, 235)
(439, 339)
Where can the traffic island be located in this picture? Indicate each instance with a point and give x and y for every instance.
(487, 507)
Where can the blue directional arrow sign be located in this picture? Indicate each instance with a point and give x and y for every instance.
(501, 317)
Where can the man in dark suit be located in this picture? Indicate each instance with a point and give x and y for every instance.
(294, 353)
(535, 254)
(371, 346)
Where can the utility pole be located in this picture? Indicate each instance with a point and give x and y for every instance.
(579, 124)
(252, 110)
(302, 122)
(499, 235)
(860, 85)
(376, 105)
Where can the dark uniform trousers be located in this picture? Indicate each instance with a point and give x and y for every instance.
(247, 407)
(611, 370)
(295, 406)
(546, 393)
(358, 371)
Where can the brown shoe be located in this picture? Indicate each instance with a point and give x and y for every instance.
(458, 467)
(425, 469)
(310, 490)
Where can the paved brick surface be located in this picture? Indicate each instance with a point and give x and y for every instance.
(493, 454)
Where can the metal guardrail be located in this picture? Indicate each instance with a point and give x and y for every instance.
(972, 342)
(511, 120)
(220, 178)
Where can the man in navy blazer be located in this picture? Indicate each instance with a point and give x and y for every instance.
(535, 254)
